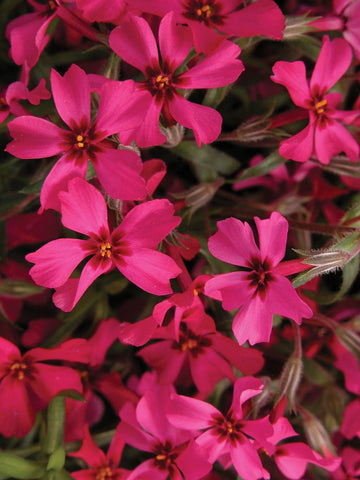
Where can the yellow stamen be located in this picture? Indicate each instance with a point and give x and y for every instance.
(205, 11)
(160, 457)
(104, 473)
(195, 292)
(19, 367)
(319, 106)
(162, 80)
(105, 249)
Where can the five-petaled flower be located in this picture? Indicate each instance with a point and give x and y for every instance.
(130, 247)
(260, 289)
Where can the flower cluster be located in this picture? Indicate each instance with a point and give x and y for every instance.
(177, 177)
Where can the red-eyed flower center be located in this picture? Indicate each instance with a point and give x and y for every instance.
(165, 455)
(81, 142)
(18, 370)
(261, 275)
(320, 106)
(188, 340)
(105, 249)
(205, 11)
(104, 473)
(3, 104)
(162, 81)
(52, 5)
(227, 427)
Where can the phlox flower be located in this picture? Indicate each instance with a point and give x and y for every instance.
(228, 435)
(324, 136)
(118, 170)
(173, 453)
(292, 458)
(130, 247)
(196, 344)
(102, 467)
(27, 384)
(27, 33)
(162, 81)
(260, 289)
(350, 467)
(16, 92)
(212, 21)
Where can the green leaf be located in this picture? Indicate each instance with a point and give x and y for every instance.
(214, 96)
(55, 424)
(33, 188)
(208, 161)
(57, 459)
(271, 162)
(316, 373)
(17, 467)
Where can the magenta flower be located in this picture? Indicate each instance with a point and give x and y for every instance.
(324, 136)
(260, 289)
(173, 453)
(212, 21)
(227, 435)
(27, 384)
(175, 42)
(102, 467)
(195, 345)
(130, 247)
(118, 170)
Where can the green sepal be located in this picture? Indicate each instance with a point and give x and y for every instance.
(17, 467)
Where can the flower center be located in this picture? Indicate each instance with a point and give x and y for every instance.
(104, 473)
(162, 81)
(205, 11)
(164, 455)
(320, 106)
(81, 141)
(105, 249)
(227, 427)
(260, 276)
(3, 104)
(52, 5)
(188, 340)
(18, 369)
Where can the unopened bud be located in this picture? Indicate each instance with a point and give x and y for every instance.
(349, 339)
(341, 165)
(325, 261)
(254, 132)
(317, 435)
(18, 288)
(202, 194)
(290, 380)
(174, 135)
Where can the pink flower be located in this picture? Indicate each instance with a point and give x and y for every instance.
(102, 466)
(175, 42)
(172, 450)
(130, 247)
(226, 435)
(17, 91)
(118, 170)
(324, 136)
(27, 33)
(197, 346)
(261, 290)
(27, 384)
(212, 21)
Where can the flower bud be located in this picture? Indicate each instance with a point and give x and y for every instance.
(202, 194)
(14, 288)
(349, 339)
(174, 135)
(317, 435)
(290, 380)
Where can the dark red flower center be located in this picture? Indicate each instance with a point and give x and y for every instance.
(19, 369)
(228, 427)
(260, 276)
(104, 473)
(205, 11)
(165, 455)
(189, 341)
(3, 104)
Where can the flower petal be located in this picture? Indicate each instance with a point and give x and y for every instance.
(300, 146)
(55, 261)
(71, 95)
(83, 208)
(233, 289)
(34, 138)
(175, 42)
(149, 270)
(332, 139)
(334, 59)
(272, 237)
(119, 173)
(204, 121)
(293, 76)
